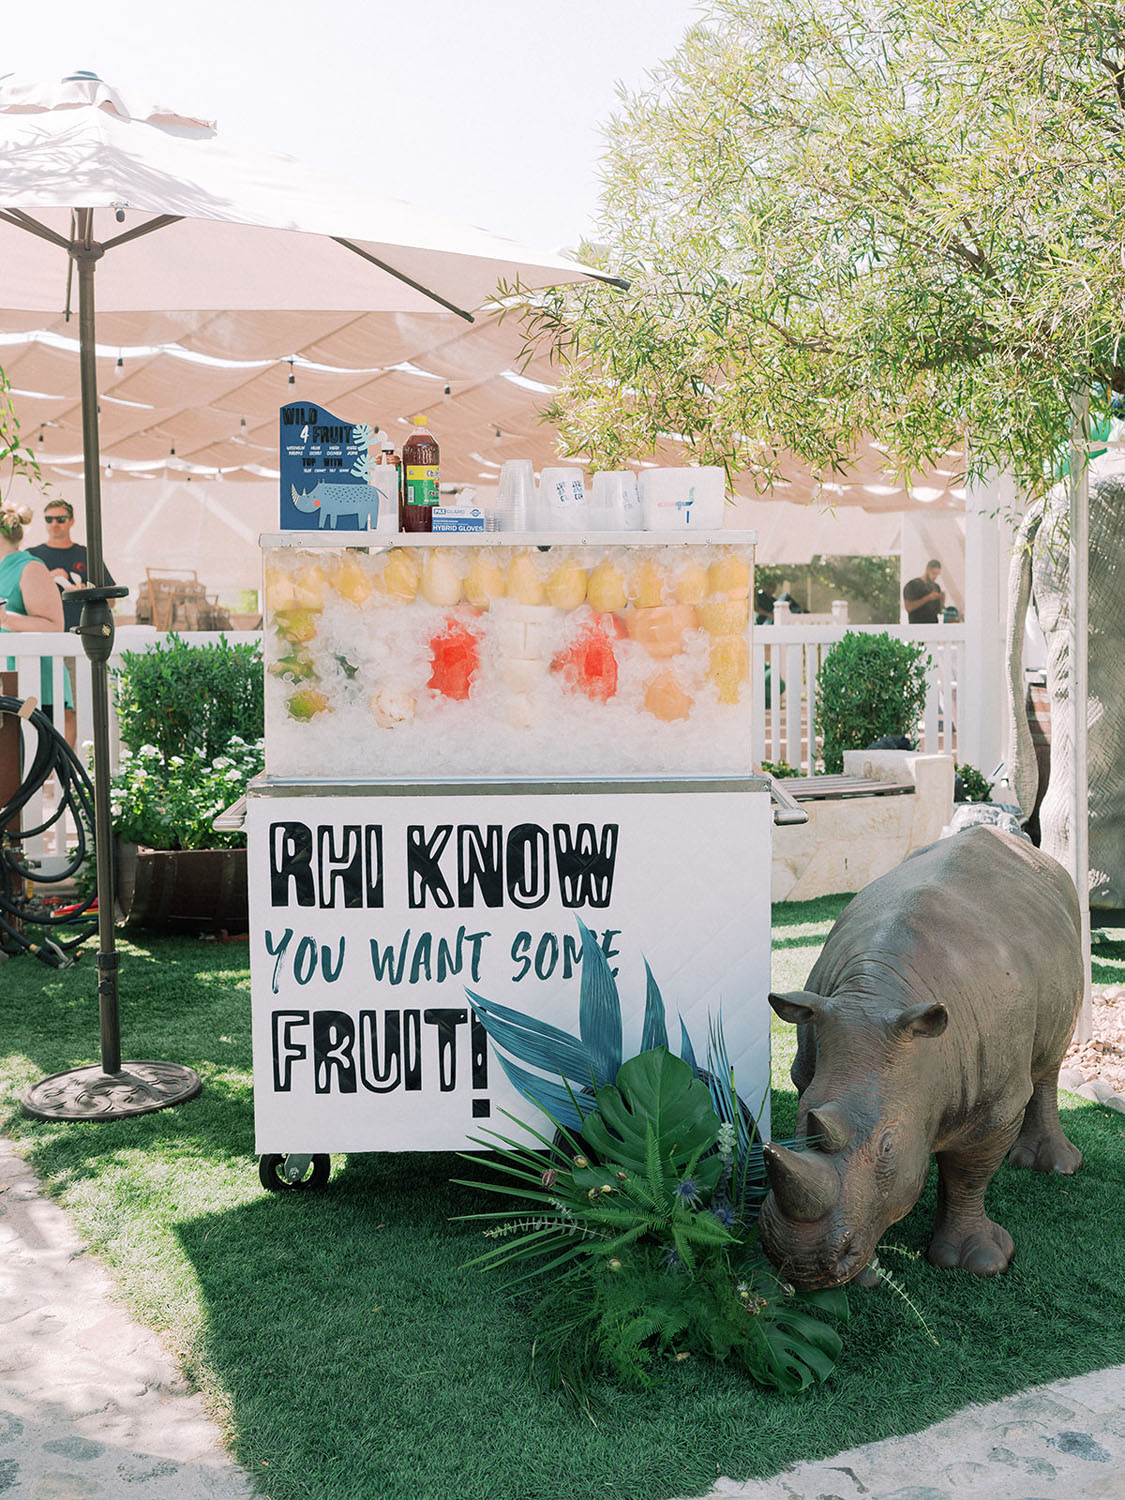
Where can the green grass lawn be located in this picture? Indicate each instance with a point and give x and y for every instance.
(350, 1356)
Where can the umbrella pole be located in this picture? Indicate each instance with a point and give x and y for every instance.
(112, 1090)
(108, 1014)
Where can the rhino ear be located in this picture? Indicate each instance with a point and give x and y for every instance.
(927, 1019)
(799, 1007)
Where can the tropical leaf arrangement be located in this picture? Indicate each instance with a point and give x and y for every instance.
(580, 1065)
(631, 1234)
(634, 1221)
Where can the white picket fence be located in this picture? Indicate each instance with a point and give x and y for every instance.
(785, 730)
(24, 653)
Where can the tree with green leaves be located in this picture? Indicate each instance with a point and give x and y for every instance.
(16, 460)
(853, 217)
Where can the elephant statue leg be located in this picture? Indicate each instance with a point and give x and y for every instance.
(1040, 574)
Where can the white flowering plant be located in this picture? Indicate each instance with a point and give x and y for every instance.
(170, 804)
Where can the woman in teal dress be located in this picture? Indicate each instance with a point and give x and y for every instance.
(31, 599)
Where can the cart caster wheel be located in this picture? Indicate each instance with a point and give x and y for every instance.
(281, 1174)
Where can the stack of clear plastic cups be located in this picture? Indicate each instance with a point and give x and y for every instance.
(515, 500)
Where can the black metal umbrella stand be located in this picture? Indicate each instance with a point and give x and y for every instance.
(113, 1089)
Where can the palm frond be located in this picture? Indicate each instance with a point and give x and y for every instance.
(599, 1010)
(655, 1030)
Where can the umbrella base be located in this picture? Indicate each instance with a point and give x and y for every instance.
(91, 1094)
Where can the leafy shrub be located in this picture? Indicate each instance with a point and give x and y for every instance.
(169, 805)
(975, 783)
(189, 700)
(870, 685)
(780, 770)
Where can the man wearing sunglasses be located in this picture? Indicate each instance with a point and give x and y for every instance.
(65, 560)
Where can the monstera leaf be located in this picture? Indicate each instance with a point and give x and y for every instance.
(657, 1120)
(785, 1347)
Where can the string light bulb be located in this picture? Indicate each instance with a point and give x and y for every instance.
(292, 376)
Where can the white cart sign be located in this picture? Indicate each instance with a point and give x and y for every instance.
(372, 914)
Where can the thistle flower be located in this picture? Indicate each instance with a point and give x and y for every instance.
(687, 1192)
(549, 1177)
(580, 1161)
(725, 1215)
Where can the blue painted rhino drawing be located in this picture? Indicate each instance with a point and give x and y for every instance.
(335, 500)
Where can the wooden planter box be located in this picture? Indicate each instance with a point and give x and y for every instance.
(182, 890)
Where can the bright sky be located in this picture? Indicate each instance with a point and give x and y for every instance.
(488, 110)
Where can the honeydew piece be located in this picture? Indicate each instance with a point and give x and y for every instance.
(666, 698)
(729, 666)
(484, 581)
(441, 583)
(392, 710)
(730, 575)
(295, 625)
(306, 703)
(691, 584)
(646, 585)
(720, 615)
(566, 586)
(401, 574)
(523, 583)
(605, 588)
(295, 665)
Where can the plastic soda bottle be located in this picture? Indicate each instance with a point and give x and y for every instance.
(419, 479)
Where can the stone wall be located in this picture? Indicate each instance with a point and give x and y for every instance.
(850, 841)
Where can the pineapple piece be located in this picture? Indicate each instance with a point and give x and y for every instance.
(605, 589)
(566, 586)
(729, 666)
(524, 583)
(484, 581)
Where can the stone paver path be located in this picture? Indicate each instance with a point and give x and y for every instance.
(91, 1405)
(1064, 1441)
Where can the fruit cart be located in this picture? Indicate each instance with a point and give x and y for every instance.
(485, 754)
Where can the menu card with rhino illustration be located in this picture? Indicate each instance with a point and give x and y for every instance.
(329, 475)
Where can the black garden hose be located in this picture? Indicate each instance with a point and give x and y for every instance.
(62, 931)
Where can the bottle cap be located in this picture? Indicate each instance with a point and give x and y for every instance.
(421, 421)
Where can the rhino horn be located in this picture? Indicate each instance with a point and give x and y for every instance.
(805, 1185)
(829, 1128)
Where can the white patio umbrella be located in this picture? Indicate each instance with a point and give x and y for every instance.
(182, 225)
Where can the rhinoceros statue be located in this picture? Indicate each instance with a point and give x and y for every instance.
(935, 1020)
